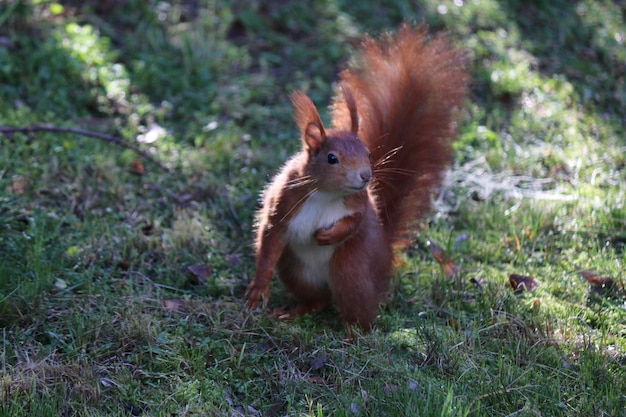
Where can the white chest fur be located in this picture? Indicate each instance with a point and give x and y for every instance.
(321, 210)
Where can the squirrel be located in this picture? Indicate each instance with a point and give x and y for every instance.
(333, 216)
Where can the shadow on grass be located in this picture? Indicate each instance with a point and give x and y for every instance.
(581, 43)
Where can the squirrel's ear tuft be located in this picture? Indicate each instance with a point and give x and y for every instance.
(309, 122)
(344, 108)
(351, 105)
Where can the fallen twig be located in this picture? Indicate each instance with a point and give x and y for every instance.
(102, 136)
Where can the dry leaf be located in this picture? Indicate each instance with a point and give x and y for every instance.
(453, 323)
(318, 362)
(18, 184)
(389, 389)
(123, 265)
(521, 283)
(137, 167)
(109, 383)
(317, 380)
(598, 281)
(252, 410)
(60, 284)
(234, 259)
(199, 273)
(449, 267)
(174, 306)
(147, 228)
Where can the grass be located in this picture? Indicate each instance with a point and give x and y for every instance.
(102, 316)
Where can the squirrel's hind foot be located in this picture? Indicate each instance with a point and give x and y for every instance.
(299, 310)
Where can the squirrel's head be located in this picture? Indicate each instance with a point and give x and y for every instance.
(337, 160)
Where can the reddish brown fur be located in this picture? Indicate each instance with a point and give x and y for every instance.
(408, 90)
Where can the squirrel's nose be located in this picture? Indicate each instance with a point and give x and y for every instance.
(366, 175)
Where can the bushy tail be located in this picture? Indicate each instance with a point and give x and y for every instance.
(409, 91)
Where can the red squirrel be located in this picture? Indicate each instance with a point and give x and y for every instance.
(334, 213)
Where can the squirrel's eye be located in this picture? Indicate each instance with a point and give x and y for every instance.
(332, 159)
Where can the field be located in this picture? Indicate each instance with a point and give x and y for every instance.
(136, 135)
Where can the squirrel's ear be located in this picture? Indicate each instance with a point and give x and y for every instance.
(313, 137)
(351, 105)
(309, 122)
(344, 109)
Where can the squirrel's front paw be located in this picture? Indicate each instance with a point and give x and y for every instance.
(254, 296)
(324, 237)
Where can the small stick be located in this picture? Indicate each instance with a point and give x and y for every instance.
(102, 136)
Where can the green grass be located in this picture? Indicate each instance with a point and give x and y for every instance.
(100, 315)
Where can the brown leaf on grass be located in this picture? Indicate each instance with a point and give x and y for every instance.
(521, 283)
(317, 380)
(454, 324)
(438, 253)
(137, 168)
(598, 281)
(449, 267)
(390, 389)
(234, 259)
(174, 305)
(319, 362)
(199, 273)
(18, 184)
(123, 265)
(147, 228)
